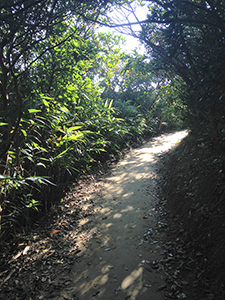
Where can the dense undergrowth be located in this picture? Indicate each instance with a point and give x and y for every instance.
(61, 142)
(192, 183)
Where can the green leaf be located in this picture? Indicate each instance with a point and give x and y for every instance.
(97, 150)
(75, 137)
(73, 128)
(24, 132)
(46, 97)
(110, 104)
(33, 110)
(41, 164)
(45, 103)
(40, 180)
(59, 155)
(3, 177)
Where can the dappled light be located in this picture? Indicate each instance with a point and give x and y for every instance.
(117, 216)
(116, 259)
(130, 279)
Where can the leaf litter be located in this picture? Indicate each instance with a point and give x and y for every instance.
(41, 267)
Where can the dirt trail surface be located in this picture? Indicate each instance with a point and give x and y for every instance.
(118, 261)
(106, 249)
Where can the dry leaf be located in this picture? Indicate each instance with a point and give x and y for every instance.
(56, 231)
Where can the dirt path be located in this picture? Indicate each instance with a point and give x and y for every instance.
(118, 261)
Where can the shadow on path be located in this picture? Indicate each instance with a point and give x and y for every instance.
(118, 260)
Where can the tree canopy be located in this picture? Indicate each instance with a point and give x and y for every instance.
(187, 38)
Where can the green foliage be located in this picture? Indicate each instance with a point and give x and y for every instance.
(65, 129)
(53, 124)
(151, 96)
(70, 100)
(187, 39)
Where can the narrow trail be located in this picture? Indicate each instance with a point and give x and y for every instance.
(118, 261)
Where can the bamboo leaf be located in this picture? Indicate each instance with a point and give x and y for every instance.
(110, 104)
(75, 137)
(41, 164)
(3, 177)
(59, 155)
(97, 150)
(73, 128)
(39, 180)
(24, 132)
(46, 97)
(33, 110)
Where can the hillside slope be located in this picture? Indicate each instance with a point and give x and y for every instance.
(192, 179)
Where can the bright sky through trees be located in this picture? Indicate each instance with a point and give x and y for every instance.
(128, 14)
(131, 42)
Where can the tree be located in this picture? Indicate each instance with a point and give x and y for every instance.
(108, 64)
(29, 30)
(188, 38)
(130, 80)
(44, 49)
